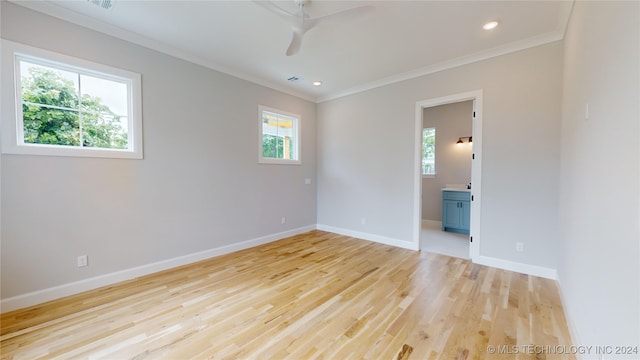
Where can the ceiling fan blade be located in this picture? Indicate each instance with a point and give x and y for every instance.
(296, 43)
(301, 23)
(344, 15)
(308, 24)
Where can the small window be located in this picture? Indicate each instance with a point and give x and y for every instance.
(72, 107)
(279, 137)
(429, 151)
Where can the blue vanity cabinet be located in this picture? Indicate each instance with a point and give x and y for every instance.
(456, 211)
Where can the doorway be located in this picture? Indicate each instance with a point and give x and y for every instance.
(433, 193)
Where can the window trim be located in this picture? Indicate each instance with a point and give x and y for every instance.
(12, 125)
(298, 142)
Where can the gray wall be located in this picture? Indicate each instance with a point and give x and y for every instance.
(599, 269)
(199, 186)
(453, 161)
(366, 149)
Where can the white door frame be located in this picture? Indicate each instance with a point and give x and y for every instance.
(476, 165)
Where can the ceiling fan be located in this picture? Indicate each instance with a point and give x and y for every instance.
(301, 22)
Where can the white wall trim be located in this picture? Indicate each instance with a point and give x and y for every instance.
(522, 268)
(534, 270)
(464, 60)
(432, 223)
(573, 330)
(476, 164)
(97, 25)
(564, 18)
(371, 237)
(56, 292)
(61, 13)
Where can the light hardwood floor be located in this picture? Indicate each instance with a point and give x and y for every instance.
(316, 295)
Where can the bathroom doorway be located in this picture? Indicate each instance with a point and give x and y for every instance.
(450, 137)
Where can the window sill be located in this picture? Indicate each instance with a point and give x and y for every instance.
(45, 150)
(428, 176)
(272, 161)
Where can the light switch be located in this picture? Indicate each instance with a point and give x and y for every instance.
(307, 181)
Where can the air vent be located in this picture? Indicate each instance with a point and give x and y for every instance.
(293, 78)
(104, 4)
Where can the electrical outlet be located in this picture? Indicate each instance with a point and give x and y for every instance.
(519, 247)
(363, 221)
(283, 220)
(307, 181)
(83, 260)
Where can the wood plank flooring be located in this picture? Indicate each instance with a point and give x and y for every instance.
(313, 296)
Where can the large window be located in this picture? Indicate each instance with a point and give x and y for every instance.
(279, 137)
(72, 107)
(428, 152)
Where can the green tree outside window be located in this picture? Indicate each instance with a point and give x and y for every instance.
(55, 114)
(429, 151)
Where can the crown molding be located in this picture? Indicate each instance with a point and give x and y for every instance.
(126, 35)
(450, 64)
(556, 35)
(59, 12)
(564, 17)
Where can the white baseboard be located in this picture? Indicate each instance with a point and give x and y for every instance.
(370, 237)
(534, 270)
(56, 292)
(573, 330)
(506, 264)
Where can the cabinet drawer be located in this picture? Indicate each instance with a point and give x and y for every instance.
(456, 195)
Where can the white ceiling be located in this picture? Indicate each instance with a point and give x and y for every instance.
(399, 40)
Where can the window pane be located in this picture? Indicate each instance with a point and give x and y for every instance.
(428, 151)
(107, 93)
(278, 136)
(49, 105)
(48, 86)
(104, 130)
(272, 146)
(292, 154)
(284, 124)
(45, 125)
(50, 99)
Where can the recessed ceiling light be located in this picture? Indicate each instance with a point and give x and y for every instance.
(317, 83)
(490, 25)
